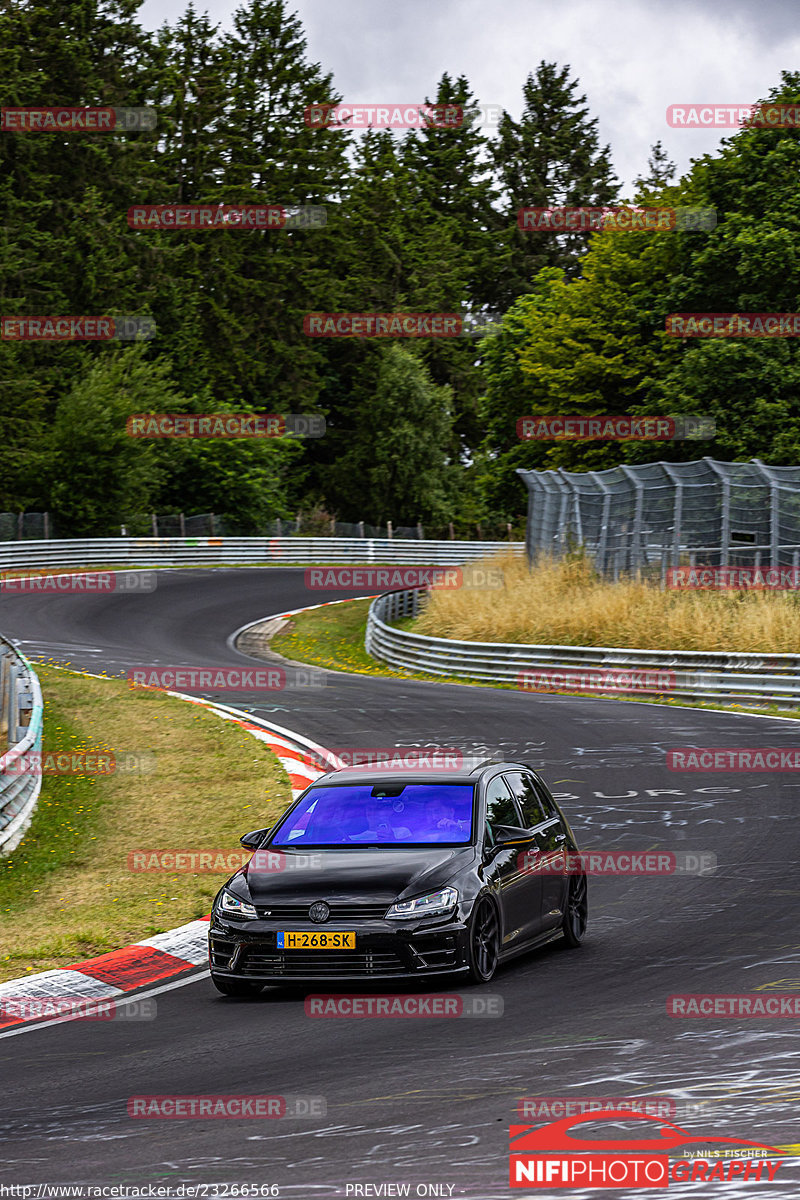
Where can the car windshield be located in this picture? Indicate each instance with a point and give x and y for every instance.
(377, 814)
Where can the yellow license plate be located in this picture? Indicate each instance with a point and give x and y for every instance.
(306, 940)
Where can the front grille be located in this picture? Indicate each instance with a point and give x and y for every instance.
(339, 912)
(319, 963)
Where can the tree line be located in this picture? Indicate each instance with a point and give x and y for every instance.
(424, 221)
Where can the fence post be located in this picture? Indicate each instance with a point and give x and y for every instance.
(452, 532)
(576, 510)
(602, 542)
(183, 525)
(47, 526)
(213, 523)
(420, 531)
(636, 556)
(725, 538)
(389, 529)
(154, 523)
(677, 512)
(19, 526)
(361, 529)
(774, 513)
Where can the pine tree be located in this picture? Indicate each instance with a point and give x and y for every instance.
(660, 172)
(551, 156)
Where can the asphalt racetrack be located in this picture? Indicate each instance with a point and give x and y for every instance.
(429, 1101)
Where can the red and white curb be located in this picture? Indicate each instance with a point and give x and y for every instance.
(178, 950)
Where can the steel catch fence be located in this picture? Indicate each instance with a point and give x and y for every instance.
(661, 514)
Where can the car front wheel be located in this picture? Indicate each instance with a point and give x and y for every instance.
(484, 942)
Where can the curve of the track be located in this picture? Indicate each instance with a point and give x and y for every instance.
(428, 1102)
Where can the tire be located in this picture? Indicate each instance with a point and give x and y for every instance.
(484, 941)
(576, 912)
(235, 987)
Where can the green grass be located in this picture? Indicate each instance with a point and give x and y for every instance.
(331, 637)
(68, 892)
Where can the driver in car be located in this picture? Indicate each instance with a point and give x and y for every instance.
(383, 824)
(440, 818)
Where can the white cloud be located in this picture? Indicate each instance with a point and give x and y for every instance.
(633, 58)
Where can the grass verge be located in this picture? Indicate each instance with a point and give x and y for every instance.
(66, 892)
(565, 603)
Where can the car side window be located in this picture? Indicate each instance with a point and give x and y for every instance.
(524, 788)
(500, 807)
(548, 803)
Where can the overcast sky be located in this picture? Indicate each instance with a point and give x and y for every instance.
(633, 58)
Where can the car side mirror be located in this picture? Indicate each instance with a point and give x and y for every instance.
(251, 841)
(512, 835)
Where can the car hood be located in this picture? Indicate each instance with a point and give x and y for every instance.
(353, 876)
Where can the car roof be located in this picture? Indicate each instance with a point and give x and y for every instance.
(377, 774)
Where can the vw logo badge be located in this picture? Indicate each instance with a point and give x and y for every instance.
(319, 912)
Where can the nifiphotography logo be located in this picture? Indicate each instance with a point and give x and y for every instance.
(549, 1156)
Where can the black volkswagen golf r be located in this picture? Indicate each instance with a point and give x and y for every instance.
(377, 875)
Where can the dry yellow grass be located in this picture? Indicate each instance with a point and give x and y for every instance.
(66, 892)
(566, 603)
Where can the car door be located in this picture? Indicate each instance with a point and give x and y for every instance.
(539, 814)
(520, 888)
(553, 841)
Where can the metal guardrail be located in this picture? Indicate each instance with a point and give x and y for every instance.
(693, 674)
(203, 551)
(20, 735)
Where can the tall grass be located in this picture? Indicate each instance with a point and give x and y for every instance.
(567, 603)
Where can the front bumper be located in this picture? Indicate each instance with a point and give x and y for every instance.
(384, 950)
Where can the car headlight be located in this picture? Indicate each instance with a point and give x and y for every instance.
(234, 907)
(433, 905)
